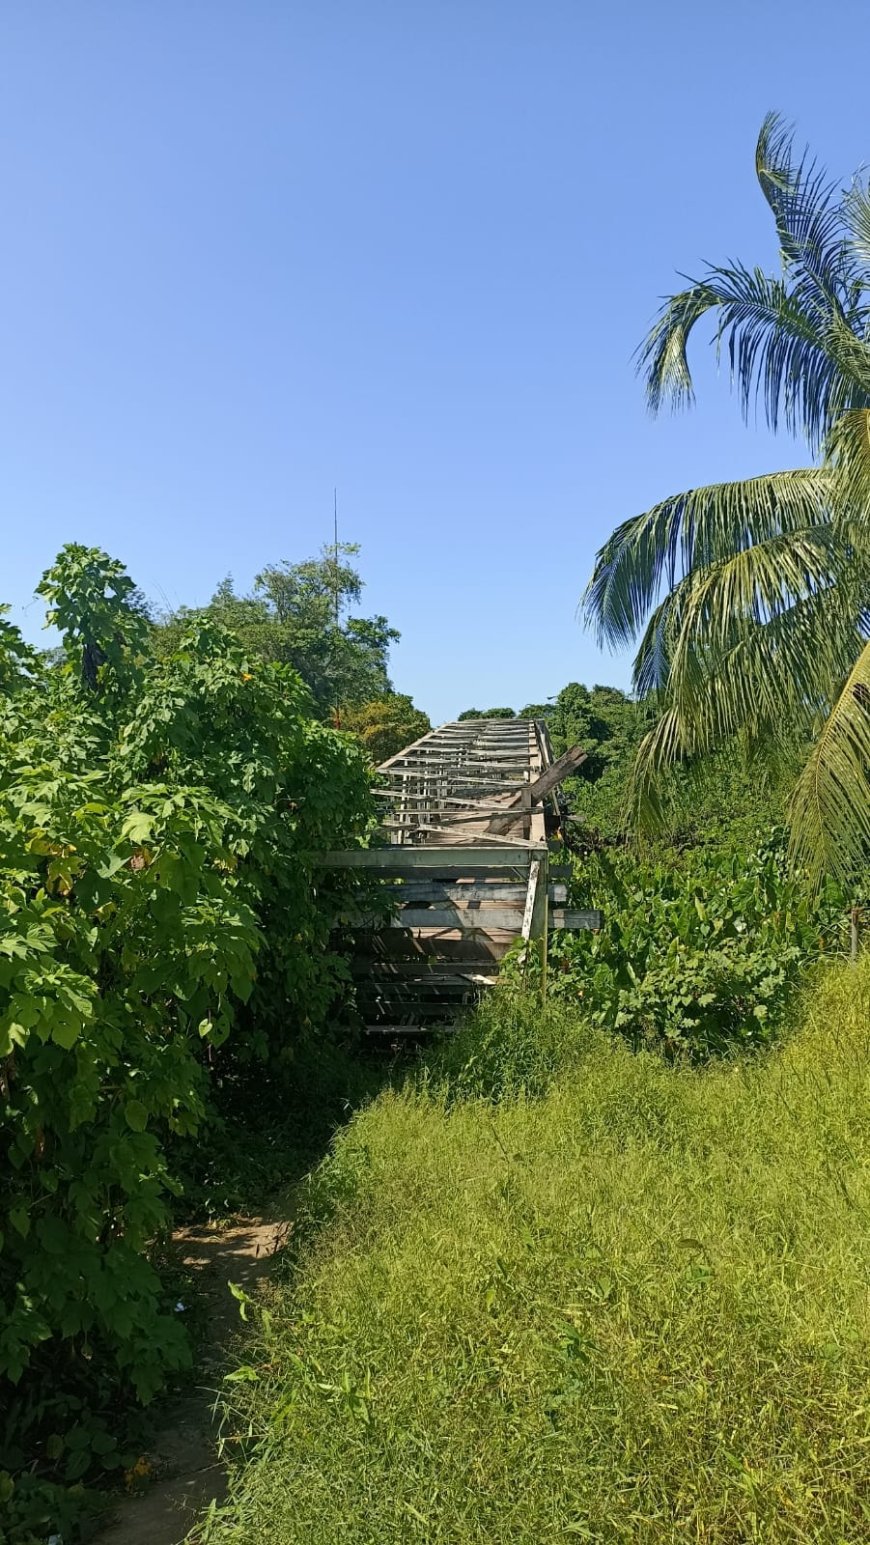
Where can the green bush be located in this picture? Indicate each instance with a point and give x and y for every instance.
(160, 921)
(510, 1045)
(698, 953)
(632, 1310)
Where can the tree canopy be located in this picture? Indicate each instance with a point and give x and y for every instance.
(749, 599)
(298, 614)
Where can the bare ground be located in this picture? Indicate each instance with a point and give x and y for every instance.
(183, 1459)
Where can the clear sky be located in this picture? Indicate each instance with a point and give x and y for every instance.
(253, 249)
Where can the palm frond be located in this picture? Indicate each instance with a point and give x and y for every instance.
(782, 673)
(830, 807)
(849, 458)
(782, 349)
(663, 356)
(771, 684)
(809, 211)
(692, 530)
(856, 212)
(713, 608)
(662, 749)
(851, 355)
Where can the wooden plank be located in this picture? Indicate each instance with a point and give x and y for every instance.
(446, 802)
(405, 749)
(541, 911)
(461, 778)
(531, 898)
(406, 820)
(575, 919)
(486, 835)
(458, 890)
(426, 969)
(443, 919)
(410, 1029)
(401, 857)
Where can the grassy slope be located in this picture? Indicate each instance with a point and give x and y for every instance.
(635, 1308)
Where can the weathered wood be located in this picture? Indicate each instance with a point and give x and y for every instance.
(458, 890)
(554, 774)
(448, 818)
(455, 889)
(446, 918)
(501, 838)
(531, 899)
(474, 919)
(575, 919)
(401, 857)
(425, 969)
(469, 807)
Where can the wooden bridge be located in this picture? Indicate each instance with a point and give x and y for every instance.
(463, 868)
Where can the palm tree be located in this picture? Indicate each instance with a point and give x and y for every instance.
(752, 599)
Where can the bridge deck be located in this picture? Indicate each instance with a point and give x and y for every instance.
(463, 860)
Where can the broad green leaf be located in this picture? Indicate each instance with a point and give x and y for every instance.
(136, 1115)
(20, 1220)
(65, 1032)
(138, 826)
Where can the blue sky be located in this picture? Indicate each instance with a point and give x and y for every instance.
(254, 250)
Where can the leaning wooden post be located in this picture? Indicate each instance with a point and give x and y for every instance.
(540, 919)
(545, 923)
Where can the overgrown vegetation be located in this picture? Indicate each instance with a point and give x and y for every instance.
(563, 1290)
(749, 599)
(699, 956)
(386, 725)
(300, 615)
(158, 814)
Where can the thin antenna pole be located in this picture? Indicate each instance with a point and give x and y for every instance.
(335, 550)
(337, 597)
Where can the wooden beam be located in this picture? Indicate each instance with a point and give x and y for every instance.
(487, 834)
(402, 857)
(576, 920)
(455, 890)
(558, 770)
(445, 919)
(426, 969)
(531, 899)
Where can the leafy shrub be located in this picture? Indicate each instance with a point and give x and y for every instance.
(696, 954)
(156, 892)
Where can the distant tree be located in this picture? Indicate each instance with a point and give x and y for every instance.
(605, 721)
(609, 725)
(297, 616)
(386, 725)
(489, 713)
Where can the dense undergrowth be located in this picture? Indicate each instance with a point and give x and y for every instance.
(700, 951)
(557, 1289)
(162, 936)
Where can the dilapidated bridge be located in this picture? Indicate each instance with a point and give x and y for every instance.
(468, 816)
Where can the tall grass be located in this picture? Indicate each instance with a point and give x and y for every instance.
(632, 1308)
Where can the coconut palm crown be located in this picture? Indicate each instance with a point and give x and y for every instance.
(751, 600)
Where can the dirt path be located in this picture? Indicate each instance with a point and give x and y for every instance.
(183, 1456)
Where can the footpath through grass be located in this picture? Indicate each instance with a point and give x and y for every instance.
(628, 1305)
